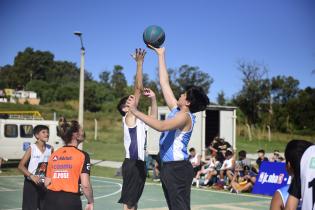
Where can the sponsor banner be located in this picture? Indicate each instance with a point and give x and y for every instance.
(272, 176)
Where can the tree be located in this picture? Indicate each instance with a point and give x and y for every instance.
(7, 76)
(254, 97)
(221, 98)
(118, 81)
(63, 71)
(67, 91)
(32, 65)
(192, 75)
(94, 96)
(302, 109)
(284, 88)
(283, 91)
(105, 78)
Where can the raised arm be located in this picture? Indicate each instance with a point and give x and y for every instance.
(180, 121)
(164, 78)
(154, 109)
(138, 56)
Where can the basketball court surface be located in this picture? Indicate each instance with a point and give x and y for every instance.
(107, 192)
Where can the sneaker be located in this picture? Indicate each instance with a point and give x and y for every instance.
(225, 187)
(234, 191)
(194, 182)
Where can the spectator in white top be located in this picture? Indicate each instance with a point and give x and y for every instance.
(194, 159)
(208, 169)
(36, 156)
(227, 166)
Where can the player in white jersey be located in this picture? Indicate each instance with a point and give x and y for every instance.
(176, 170)
(36, 156)
(133, 168)
(300, 155)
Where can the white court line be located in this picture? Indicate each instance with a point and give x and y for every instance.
(107, 195)
(4, 188)
(10, 190)
(84, 200)
(205, 190)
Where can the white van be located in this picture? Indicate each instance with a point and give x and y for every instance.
(214, 121)
(17, 134)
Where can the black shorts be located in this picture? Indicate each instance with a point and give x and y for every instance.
(134, 176)
(62, 201)
(33, 196)
(176, 178)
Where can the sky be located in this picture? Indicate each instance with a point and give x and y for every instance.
(211, 34)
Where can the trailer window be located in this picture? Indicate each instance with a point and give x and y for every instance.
(26, 131)
(162, 116)
(10, 130)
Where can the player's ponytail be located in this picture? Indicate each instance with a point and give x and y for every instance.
(67, 129)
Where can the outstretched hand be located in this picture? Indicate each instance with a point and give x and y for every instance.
(131, 103)
(139, 55)
(148, 93)
(159, 51)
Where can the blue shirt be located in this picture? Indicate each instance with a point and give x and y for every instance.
(173, 143)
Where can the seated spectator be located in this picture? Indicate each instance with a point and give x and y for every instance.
(208, 169)
(227, 167)
(260, 159)
(195, 158)
(220, 146)
(276, 157)
(243, 179)
(242, 160)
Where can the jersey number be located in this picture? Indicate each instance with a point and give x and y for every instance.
(311, 184)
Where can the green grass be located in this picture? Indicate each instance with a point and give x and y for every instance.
(260, 140)
(10, 171)
(104, 172)
(104, 151)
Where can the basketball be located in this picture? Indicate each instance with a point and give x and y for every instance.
(154, 35)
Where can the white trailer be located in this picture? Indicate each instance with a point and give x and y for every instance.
(17, 134)
(214, 121)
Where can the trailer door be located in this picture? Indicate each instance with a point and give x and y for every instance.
(226, 126)
(198, 135)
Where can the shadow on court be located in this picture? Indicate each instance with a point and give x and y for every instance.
(107, 193)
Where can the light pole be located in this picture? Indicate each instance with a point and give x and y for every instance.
(81, 91)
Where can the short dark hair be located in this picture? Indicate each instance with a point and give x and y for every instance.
(39, 128)
(246, 168)
(294, 152)
(197, 97)
(121, 105)
(261, 151)
(228, 153)
(242, 154)
(192, 149)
